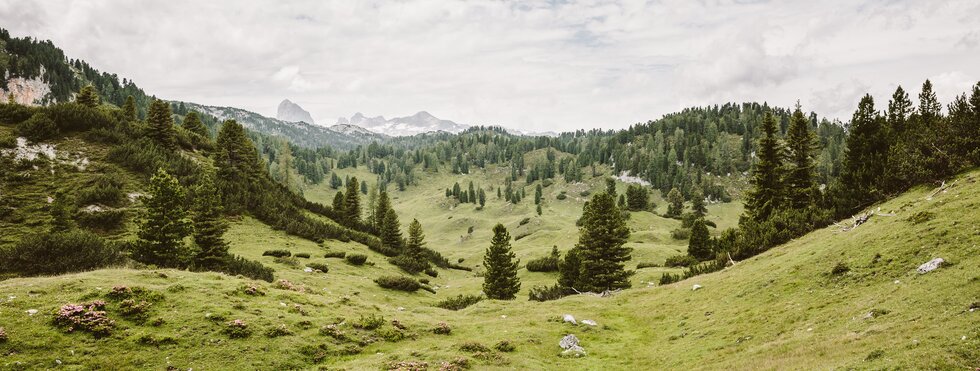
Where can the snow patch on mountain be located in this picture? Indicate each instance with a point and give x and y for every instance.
(422, 122)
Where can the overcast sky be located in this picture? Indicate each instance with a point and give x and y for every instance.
(533, 65)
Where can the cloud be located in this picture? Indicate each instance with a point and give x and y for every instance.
(537, 65)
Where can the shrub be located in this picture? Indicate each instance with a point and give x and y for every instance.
(286, 285)
(459, 302)
(505, 346)
(524, 221)
(39, 127)
(288, 261)
(90, 317)
(8, 141)
(921, 217)
(278, 331)
(546, 293)
(277, 253)
(840, 269)
(356, 259)
(473, 347)
(335, 254)
(402, 283)
(585, 193)
(57, 253)
(460, 267)
(15, 113)
(431, 272)
(106, 189)
(303, 255)
(369, 323)
(136, 310)
(562, 195)
(442, 329)
(104, 220)
(319, 266)
(333, 331)
(409, 264)
(251, 290)
(237, 329)
(3, 335)
(642, 265)
(680, 260)
(681, 234)
(391, 334)
(545, 264)
(238, 265)
(668, 278)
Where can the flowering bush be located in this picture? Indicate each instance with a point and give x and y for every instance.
(442, 329)
(286, 285)
(237, 329)
(252, 290)
(89, 317)
(3, 335)
(278, 331)
(333, 331)
(408, 365)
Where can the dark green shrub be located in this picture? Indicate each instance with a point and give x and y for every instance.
(459, 302)
(562, 195)
(237, 265)
(546, 264)
(431, 272)
(335, 254)
(8, 141)
(287, 261)
(585, 193)
(424, 281)
(237, 329)
(840, 269)
(409, 264)
(505, 346)
(473, 347)
(681, 260)
(401, 283)
(546, 293)
(668, 278)
(278, 331)
(642, 265)
(460, 267)
(277, 253)
(37, 128)
(356, 259)
(15, 113)
(442, 329)
(525, 221)
(318, 266)
(681, 234)
(303, 255)
(370, 322)
(105, 220)
(106, 189)
(57, 253)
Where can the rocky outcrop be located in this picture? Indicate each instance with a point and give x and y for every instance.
(26, 91)
(292, 112)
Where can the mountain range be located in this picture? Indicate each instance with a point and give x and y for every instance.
(422, 122)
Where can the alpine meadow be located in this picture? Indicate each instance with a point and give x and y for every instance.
(624, 185)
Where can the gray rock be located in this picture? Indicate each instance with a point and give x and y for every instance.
(568, 318)
(696, 287)
(576, 352)
(930, 266)
(589, 322)
(292, 112)
(570, 341)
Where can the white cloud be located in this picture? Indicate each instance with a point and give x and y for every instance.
(537, 65)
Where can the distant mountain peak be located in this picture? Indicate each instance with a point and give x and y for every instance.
(292, 112)
(420, 122)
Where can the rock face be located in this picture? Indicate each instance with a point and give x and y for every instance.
(292, 112)
(419, 123)
(26, 91)
(930, 266)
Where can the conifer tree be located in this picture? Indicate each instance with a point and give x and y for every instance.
(539, 209)
(675, 203)
(338, 204)
(163, 223)
(415, 243)
(864, 158)
(129, 108)
(88, 97)
(569, 269)
(352, 203)
(800, 143)
(600, 247)
(192, 123)
(238, 167)
(699, 245)
(62, 213)
(383, 205)
(471, 194)
(161, 124)
(537, 194)
(899, 109)
(697, 204)
(209, 224)
(390, 231)
(483, 198)
(500, 279)
(767, 191)
(611, 187)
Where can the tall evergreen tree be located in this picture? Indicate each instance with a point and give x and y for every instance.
(600, 247)
(675, 203)
(209, 224)
(415, 244)
(500, 279)
(611, 187)
(338, 204)
(767, 192)
(390, 231)
(864, 158)
(699, 245)
(192, 123)
(471, 194)
(129, 108)
(697, 203)
(800, 143)
(383, 205)
(163, 223)
(352, 203)
(161, 124)
(899, 109)
(483, 198)
(237, 161)
(88, 97)
(537, 194)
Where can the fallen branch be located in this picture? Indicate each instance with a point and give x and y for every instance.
(603, 294)
(942, 188)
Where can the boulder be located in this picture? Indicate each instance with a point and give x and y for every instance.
(696, 287)
(930, 266)
(589, 322)
(568, 318)
(570, 341)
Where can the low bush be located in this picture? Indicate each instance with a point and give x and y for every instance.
(3, 335)
(237, 329)
(278, 331)
(106, 189)
(370, 322)
(524, 221)
(319, 266)
(680, 260)
(333, 331)
(335, 254)
(642, 265)
(409, 264)
(137, 310)
(303, 255)
(442, 329)
(251, 290)
(840, 269)
(287, 261)
(668, 278)
(562, 196)
(424, 281)
(90, 317)
(401, 283)
(460, 267)
(391, 334)
(237, 265)
(58, 253)
(505, 346)
(546, 293)
(681, 234)
(103, 220)
(545, 264)
(277, 253)
(473, 347)
(356, 259)
(38, 127)
(459, 302)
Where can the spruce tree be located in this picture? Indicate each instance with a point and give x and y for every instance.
(699, 246)
(800, 145)
(390, 231)
(675, 203)
(163, 223)
(209, 225)
(600, 246)
(192, 123)
(471, 194)
(569, 270)
(338, 205)
(129, 108)
(238, 167)
(383, 205)
(414, 245)
(161, 124)
(697, 204)
(864, 158)
(611, 186)
(500, 279)
(767, 191)
(88, 97)
(483, 198)
(352, 203)
(537, 194)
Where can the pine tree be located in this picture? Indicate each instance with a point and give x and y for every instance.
(471, 194)
(539, 209)
(390, 231)
(800, 144)
(192, 123)
(415, 244)
(238, 167)
(209, 224)
(537, 194)
(163, 223)
(129, 108)
(88, 97)
(611, 186)
(382, 207)
(699, 246)
(500, 279)
(675, 203)
(600, 246)
(697, 204)
(569, 269)
(767, 191)
(161, 124)
(864, 158)
(352, 203)
(338, 204)
(899, 109)
(483, 198)
(498, 193)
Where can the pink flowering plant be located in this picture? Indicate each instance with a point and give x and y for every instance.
(89, 317)
(237, 329)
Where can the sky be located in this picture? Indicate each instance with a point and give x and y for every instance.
(531, 65)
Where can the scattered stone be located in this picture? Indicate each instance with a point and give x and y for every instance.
(589, 322)
(576, 352)
(897, 282)
(930, 266)
(568, 318)
(568, 342)
(308, 270)
(696, 287)
(50, 200)
(503, 316)
(401, 309)
(31, 312)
